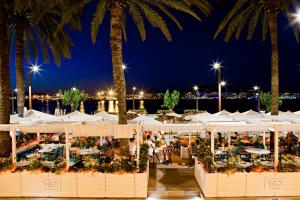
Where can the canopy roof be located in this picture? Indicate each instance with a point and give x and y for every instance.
(81, 124)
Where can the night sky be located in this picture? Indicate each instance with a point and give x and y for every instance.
(157, 64)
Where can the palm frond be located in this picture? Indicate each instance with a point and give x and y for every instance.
(98, 19)
(154, 19)
(138, 18)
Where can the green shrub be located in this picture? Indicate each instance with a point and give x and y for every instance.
(5, 163)
(287, 163)
(171, 99)
(143, 157)
(204, 155)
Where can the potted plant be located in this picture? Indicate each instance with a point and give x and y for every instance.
(171, 100)
(72, 97)
(265, 99)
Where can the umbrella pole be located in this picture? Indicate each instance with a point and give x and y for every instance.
(276, 148)
(14, 147)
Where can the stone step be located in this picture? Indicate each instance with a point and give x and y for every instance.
(173, 193)
(176, 198)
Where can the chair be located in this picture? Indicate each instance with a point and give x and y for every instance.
(154, 154)
(167, 151)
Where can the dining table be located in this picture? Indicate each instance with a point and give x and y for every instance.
(88, 151)
(258, 151)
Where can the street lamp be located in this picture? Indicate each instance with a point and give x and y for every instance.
(223, 83)
(133, 93)
(196, 88)
(257, 89)
(124, 66)
(33, 69)
(217, 67)
(297, 16)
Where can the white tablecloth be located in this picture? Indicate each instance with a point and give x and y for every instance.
(257, 151)
(88, 151)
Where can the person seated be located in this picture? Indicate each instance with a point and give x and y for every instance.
(291, 143)
(152, 149)
(55, 138)
(151, 145)
(132, 148)
(163, 143)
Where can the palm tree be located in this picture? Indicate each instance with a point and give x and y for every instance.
(5, 140)
(252, 12)
(152, 11)
(139, 10)
(33, 24)
(59, 44)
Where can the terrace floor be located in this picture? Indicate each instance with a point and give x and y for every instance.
(165, 198)
(172, 183)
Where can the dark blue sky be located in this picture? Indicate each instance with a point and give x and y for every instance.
(157, 64)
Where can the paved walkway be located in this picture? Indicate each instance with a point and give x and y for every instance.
(257, 198)
(63, 199)
(172, 184)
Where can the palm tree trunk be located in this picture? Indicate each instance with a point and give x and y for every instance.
(118, 72)
(275, 63)
(20, 77)
(5, 140)
(117, 61)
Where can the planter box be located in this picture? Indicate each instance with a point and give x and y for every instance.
(10, 184)
(92, 185)
(119, 185)
(247, 184)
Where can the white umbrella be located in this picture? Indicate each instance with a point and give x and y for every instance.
(199, 115)
(33, 116)
(250, 117)
(207, 117)
(252, 113)
(223, 113)
(285, 116)
(76, 116)
(145, 120)
(297, 112)
(104, 116)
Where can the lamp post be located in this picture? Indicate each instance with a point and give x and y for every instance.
(257, 89)
(196, 88)
(217, 66)
(133, 93)
(32, 69)
(13, 100)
